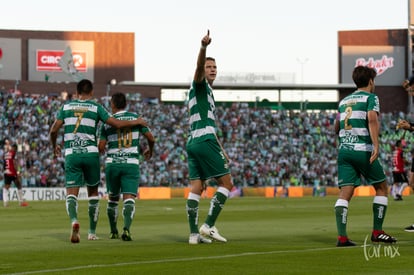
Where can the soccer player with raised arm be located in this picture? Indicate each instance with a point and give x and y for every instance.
(206, 156)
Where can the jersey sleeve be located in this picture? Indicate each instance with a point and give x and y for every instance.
(144, 129)
(199, 87)
(103, 114)
(373, 103)
(60, 114)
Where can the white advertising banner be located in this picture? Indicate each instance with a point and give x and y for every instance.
(50, 194)
(10, 59)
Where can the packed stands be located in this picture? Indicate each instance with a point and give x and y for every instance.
(267, 147)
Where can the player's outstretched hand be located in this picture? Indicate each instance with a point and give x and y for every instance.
(141, 121)
(206, 39)
(374, 156)
(147, 154)
(57, 151)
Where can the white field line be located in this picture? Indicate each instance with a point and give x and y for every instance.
(161, 261)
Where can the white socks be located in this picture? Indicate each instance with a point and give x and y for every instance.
(5, 197)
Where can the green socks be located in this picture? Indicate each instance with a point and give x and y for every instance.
(192, 211)
(93, 211)
(216, 205)
(112, 212)
(128, 213)
(379, 208)
(72, 207)
(341, 214)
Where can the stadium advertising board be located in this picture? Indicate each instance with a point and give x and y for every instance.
(48, 60)
(388, 61)
(51, 194)
(60, 60)
(10, 59)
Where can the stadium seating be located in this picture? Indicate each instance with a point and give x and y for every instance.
(267, 147)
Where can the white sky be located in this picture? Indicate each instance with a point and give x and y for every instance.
(260, 36)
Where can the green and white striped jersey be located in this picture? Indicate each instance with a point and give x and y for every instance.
(202, 108)
(81, 118)
(353, 109)
(123, 144)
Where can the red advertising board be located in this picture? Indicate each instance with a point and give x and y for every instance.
(48, 60)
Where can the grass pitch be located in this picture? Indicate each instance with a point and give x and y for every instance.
(265, 236)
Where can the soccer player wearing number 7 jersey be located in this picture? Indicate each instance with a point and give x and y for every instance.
(358, 129)
(122, 165)
(80, 118)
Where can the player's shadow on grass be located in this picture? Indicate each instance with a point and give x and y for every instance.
(317, 238)
(64, 237)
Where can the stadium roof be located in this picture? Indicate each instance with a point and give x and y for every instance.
(245, 86)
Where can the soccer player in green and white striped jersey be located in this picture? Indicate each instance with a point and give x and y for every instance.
(80, 118)
(206, 157)
(358, 129)
(122, 164)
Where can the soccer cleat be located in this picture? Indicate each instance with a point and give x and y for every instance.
(126, 236)
(114, 235)
(211, 232)
(196, 238)
(383, 237)
(398, 197)
(92, 237)
(75, 236)
(409, 228)
(348, 242)
(24, 204)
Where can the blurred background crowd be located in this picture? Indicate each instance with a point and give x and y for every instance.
(267, 147)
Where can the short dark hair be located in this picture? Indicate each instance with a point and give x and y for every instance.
(84, 86)
(119, 100)
(362, 75)
(210, 58)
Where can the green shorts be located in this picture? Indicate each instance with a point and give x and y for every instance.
(122, 178)
(82, 169)
(206, 160)
(353, 164)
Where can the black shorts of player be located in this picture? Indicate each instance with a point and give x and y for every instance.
(8, 179)
(399, 177)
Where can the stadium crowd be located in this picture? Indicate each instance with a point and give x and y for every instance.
(267, 147)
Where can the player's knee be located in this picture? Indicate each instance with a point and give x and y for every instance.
(113, 198)
(381, 189)
(226, 181)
